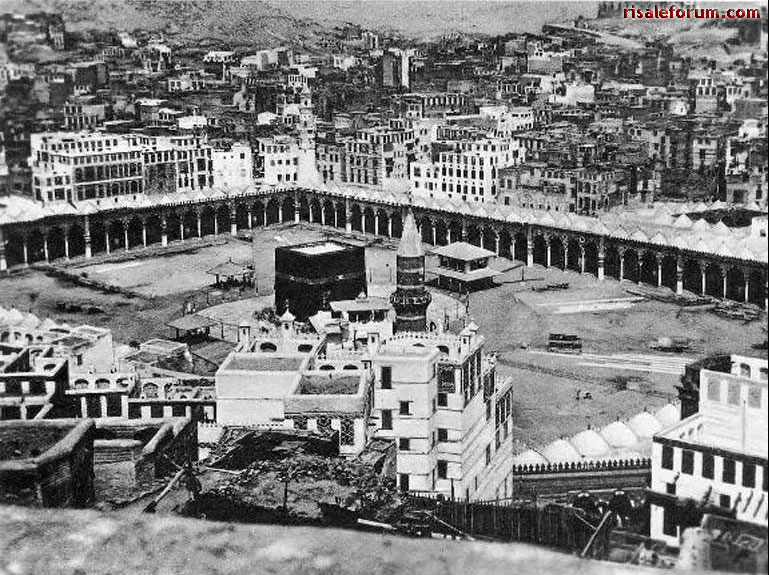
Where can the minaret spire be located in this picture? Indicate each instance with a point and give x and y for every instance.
(410, 298)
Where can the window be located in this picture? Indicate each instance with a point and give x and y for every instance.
(754, 396)
(443, 434)
(733, 393)
(670, 488)
(404, 481)
(347, 431)
(708, 464)
(405, 408)
(488, 454)
(300, 422)
(687, 462)
(669, 526)
(387, 377)
(667, 457)
(748, 475)
(725, 501)
(443, 469)
(443, 400)
(178, 410)
(404, 444)
(728, 473)
(387, 419)
(156, 411)
(714, 390)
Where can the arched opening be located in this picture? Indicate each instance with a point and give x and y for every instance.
(241, 216)
(287, 209)
(574, 259)
(350, 367)
(669, 271)
(455, 229)
(649, 268)
(757, 288)
(397, 225)
(314, 216)
(102, 383)
(426, 227)
(80, 384)
(368, 221)
(326, 367)
(304, 208)
(692, 278)
(341, 214)
(273, 211)
(591, 257)
(489, 239)
(154, 229)
(521, 246)
(190, 224)
(150, 390)
(473, 235)
(98, 237)
(631, 266)
(116, 238)
(557, 253)
(268, 346)
(356, 220)
(304, 348)
(207, 221)
(383, 220)
(55, 243)
(735, 284)
(505, 244)
(611, 262)
(257, 213)
(134, 233)
(328, 215)
(76, 240)
(222, 219)
(540, 250)
(714, 283)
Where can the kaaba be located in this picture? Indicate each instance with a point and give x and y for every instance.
(308, 276)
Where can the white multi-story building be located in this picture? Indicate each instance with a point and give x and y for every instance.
(468, 172)
(277, 160)
(234, 166)
(76, 166)
(714, 461)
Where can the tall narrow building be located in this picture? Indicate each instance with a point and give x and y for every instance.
(411, 298)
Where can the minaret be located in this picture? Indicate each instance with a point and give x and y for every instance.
(410, 298)
(307, 168)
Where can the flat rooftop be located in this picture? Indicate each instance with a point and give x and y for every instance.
(328, 384)
(263, 362)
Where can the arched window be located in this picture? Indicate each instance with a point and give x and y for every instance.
(304, 348)
(102, 383)
(268, 346)
(326, 367)
(745, 370)
(350, 367)
(81, 384)
(150, 390)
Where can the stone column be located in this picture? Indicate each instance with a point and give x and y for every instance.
(87, 238)
(496, 242)
(639, 265)
(601, 259)
(3, 259)
(66, 243)
(621, 264)
(703, 278)
(264, 216)
(448, 234)
(389, 225)
(363, 221)
(435, 234)
(309, 209)
(106, 237)
(512, 246)
(163, 230)
(659, 259)
(83, 407)
(144, 233)
(463, 232)
(582, 257)
(103, 405)
(216, 223)
(347, 217)
(233, 221)
(25, 249)
(125, 234)
(565, 244)
(529, 248)
(724, 275)
(181, 228)
(376, 223)
(323, 215)
(548, 251)
(336, 216)
(199, 223)
(45, 245)
(250, 219)
(746, 279)
(679, 275)
(481, 237)
(297, 207)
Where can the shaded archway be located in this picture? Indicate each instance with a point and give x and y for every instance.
(735, 284)
(540, 250)
(287, 209)
(692, 278)
(397, 225)
(190, 224)
(631, 266)
(521, 246)
(207, 221)
(426, 227)
(328, 215)
(669, 271)
(222, 219)
(557, 253)
(55, 243)
(14, 249)
(714, 280)
(455, 231)
(591, 258)
(757, 288)
(154, 229)
(574, 255)
(258, 214)
(441, 233)
(383, 221)
(488, 239)
(505, 244)
(76, 240)
(273, 211)
(241, 216)
(473, 235)
(649, 268)
(314, 215)
(369, 218)
(116, 239)
(135, 235)
(304, 208)
(611, 262)
(98, 237)
(355, 218)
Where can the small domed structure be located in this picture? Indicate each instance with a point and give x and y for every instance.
(668, 415)
(618, 434)
(529, 457)
(644, 425)
(14, 317)
(561, 451)
(590, 445)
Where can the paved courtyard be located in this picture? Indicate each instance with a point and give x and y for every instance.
(617, 367)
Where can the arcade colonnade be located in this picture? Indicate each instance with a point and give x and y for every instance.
(85, 236)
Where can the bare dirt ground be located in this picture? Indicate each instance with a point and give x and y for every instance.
(545, 385)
